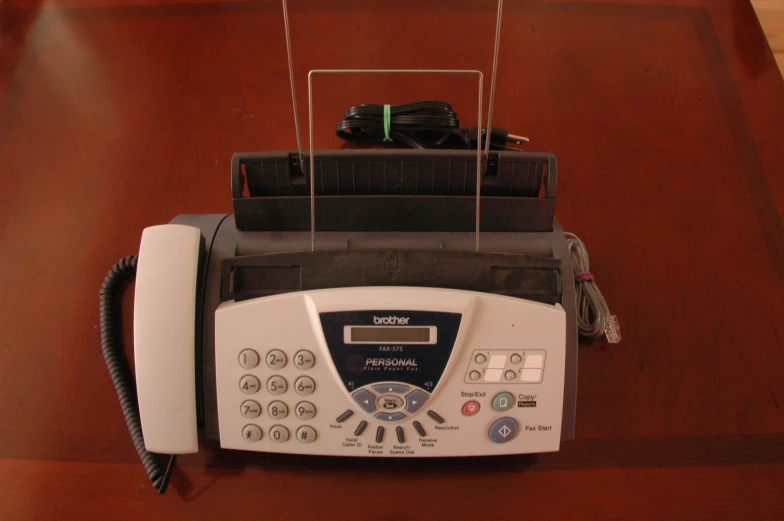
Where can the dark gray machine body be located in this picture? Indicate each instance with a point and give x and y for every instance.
(384, 218)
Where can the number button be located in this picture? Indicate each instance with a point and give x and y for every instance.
(305, 410)
(277, 385)
(250, 384)
(306, 434)
(249, 358)
(304, 359)
(304, 385)
(251, 433)
(278, 410)
(279, 433)
(250, 409)
(276, 359)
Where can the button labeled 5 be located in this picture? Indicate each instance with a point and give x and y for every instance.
(277, 385)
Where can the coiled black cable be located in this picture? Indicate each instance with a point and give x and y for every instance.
(422, 124)
(121, 274)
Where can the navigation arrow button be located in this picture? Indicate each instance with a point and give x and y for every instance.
(365, 399)
(415, 399)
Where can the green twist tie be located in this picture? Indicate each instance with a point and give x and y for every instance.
(387, 121)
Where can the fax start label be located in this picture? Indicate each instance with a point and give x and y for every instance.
(538, 428)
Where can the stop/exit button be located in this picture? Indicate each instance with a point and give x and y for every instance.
(470, 408)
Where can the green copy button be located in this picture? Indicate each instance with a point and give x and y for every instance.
(503, 402)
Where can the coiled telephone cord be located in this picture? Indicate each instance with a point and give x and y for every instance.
(121, 274)
(593, 315)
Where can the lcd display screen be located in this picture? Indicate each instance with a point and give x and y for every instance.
(389, 335)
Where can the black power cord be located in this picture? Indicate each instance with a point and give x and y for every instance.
(121, 274)
(423, 124)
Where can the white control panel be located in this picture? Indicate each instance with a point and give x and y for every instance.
(390, 372)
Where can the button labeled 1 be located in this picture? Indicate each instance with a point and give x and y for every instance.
(249, 358)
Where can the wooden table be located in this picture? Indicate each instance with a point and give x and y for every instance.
(668, 124)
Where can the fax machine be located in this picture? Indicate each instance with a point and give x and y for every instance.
(393, 337)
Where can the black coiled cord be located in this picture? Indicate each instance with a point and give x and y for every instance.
(121, 274)
(423, 124)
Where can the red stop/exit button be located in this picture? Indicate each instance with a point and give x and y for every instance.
(470, 408)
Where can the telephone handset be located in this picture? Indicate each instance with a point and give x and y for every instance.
(164, 338)
(164, 329)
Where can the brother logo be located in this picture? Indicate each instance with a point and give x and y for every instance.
(390, 320)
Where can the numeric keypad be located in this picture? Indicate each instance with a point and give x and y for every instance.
(276, 385)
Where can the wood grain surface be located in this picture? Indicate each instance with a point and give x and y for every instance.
(667, 120)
